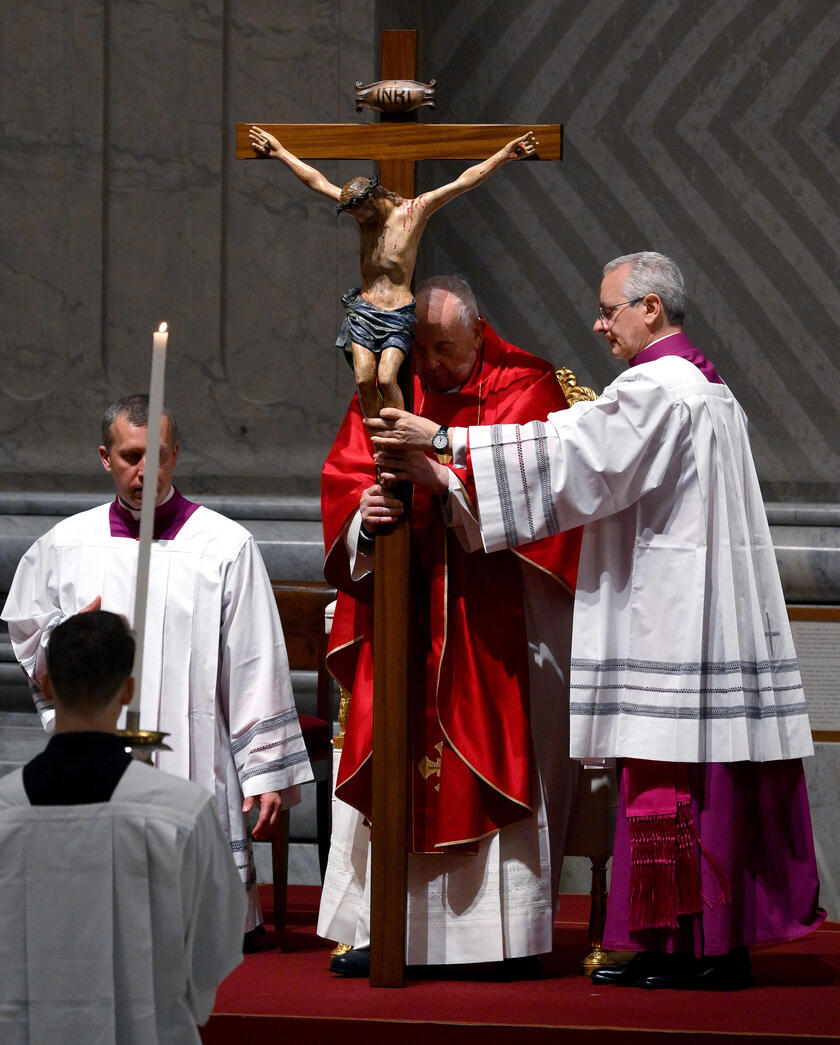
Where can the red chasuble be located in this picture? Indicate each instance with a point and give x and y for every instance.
(468, 658)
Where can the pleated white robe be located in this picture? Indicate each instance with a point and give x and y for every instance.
(215, 671)
(681, 648)
(120, 918)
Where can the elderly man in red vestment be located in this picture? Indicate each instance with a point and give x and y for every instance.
(491, 781)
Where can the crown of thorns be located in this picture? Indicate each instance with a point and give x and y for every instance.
(359, 197)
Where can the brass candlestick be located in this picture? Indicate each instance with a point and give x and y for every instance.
(141, 743)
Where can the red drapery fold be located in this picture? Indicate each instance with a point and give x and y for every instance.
(468, 666)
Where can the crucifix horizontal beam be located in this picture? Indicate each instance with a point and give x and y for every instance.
(401, 141)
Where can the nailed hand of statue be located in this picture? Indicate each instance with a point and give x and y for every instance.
(261, 141)
(524, 146)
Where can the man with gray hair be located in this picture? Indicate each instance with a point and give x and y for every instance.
(215, 671)
(491, 788)
(683, 665)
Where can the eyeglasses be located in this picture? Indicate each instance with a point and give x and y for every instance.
(606, 314)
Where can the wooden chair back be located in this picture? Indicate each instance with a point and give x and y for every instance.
(301, 605)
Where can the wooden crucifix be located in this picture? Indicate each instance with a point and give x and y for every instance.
(396, 143)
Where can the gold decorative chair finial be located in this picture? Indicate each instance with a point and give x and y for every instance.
(573, 392)
(343, 712)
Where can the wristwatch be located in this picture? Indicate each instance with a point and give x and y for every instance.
(365, 536)
(440, 440)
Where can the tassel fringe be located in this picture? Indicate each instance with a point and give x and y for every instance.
(665, 869)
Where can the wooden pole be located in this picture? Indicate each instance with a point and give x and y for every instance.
(390, 646)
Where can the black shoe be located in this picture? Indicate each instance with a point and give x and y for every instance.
(508, 970)
(256, 940)
(355, 962)
(632, 973)
(731, 972)
(728, 972)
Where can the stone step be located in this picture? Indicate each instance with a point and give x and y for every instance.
(21, 738)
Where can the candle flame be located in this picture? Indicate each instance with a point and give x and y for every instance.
(162, 328)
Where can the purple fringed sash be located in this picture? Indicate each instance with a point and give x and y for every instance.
(664, 845)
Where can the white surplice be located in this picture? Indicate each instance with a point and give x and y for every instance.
(681, 648)
(215, 670)
(497, 903)
(120, 918)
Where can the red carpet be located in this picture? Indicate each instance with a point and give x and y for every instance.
(288, 990)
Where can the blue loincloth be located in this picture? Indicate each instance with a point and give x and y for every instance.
(374, 328)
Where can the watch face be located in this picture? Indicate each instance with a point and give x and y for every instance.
(439, 440)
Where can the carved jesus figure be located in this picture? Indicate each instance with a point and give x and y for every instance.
(379, 318)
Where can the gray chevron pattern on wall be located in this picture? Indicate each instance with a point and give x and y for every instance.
(706, 130)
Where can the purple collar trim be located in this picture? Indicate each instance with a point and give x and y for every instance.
(679, 345)
(169, 519)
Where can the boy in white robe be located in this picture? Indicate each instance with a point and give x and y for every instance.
(121, 909)
(215, 671)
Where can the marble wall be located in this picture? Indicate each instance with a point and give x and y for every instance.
(707, 131)
(123, 205)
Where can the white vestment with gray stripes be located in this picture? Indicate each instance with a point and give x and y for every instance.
(215, 671)
(681, 647)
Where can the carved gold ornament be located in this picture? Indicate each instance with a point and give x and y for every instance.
(573, 392)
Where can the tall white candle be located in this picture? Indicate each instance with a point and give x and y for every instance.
(147, 514)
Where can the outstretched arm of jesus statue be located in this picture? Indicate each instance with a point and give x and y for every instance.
(518, 149)
(267, 145)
